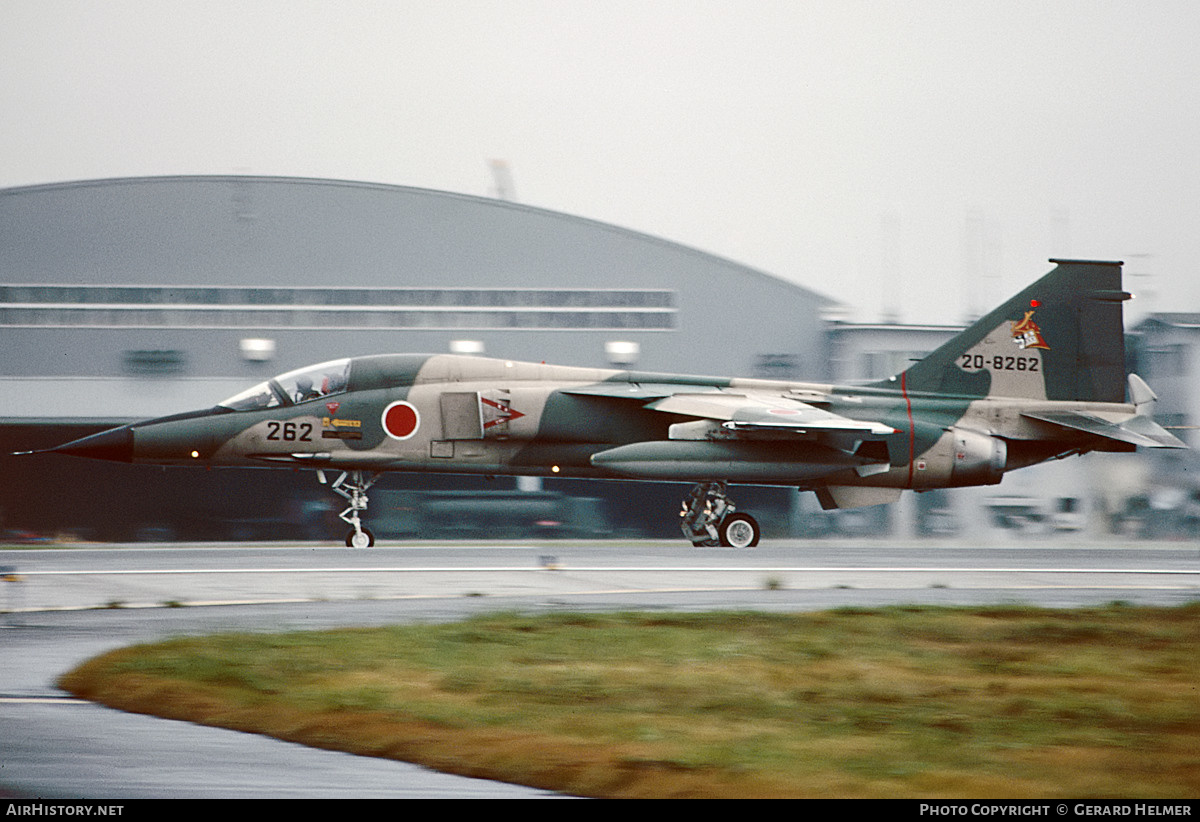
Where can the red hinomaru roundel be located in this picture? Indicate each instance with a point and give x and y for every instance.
(401, 420)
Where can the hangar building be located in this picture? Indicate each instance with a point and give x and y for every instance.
(132, 298)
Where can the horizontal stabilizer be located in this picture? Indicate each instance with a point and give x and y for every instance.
(1137, 430)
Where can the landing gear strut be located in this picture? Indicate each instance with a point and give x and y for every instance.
(353, 486)
(709, 517)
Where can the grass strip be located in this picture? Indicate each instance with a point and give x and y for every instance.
(894, 702)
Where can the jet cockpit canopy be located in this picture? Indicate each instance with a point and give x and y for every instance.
(302, 385)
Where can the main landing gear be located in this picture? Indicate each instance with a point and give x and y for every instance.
(709, 517)
(353, 486)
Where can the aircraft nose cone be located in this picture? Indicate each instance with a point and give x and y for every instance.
(116, 444)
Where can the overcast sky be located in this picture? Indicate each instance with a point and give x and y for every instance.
(922, 158)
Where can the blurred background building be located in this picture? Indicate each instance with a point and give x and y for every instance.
(133, 298)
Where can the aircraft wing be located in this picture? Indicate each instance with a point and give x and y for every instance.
(632, 390)
(767, 415)
(1138, 430)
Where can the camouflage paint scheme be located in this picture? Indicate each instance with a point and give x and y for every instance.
(1040, 377)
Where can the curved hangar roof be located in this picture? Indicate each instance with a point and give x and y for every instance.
(331, 268)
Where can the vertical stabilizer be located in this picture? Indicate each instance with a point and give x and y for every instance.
(1062, 338)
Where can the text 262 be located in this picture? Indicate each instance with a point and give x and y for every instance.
(290, 431)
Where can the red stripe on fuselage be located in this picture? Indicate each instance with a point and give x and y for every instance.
(912, 431)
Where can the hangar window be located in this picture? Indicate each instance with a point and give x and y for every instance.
(154, 363)
(127, 306)
(1165, 361)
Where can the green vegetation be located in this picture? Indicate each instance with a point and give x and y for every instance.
(895, 702)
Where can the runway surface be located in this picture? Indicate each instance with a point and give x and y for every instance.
(62, 606)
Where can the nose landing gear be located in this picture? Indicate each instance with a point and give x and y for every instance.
(353, 486)
(709, 518)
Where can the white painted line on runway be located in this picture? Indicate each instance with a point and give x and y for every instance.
(558, 568)
(548, 596)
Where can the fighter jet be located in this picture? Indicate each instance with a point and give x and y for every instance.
(1040, 377)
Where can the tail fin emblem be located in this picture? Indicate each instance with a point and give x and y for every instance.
(1026, 333)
